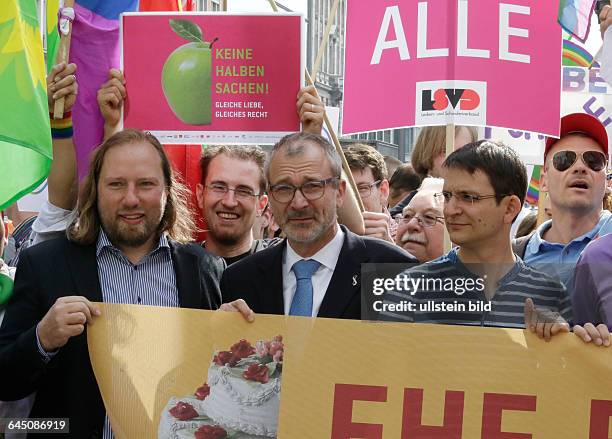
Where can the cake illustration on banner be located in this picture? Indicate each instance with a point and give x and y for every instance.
(186, 75)
(240, 399)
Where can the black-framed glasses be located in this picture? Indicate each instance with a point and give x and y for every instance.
(312, 190)
(595, 160)
(365, 189)
(426, 220)
(466, 197)
(243, 193)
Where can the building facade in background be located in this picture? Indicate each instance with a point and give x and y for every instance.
(210, 5)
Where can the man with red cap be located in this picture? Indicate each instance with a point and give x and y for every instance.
(574, 176)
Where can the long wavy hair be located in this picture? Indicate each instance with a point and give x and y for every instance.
(177, 219)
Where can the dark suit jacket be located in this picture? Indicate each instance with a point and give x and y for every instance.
(66, 386)
(258, 279)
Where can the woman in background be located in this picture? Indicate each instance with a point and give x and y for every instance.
(430, 148)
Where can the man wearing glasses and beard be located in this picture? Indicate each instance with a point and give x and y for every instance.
(574, 176)
(316, 271)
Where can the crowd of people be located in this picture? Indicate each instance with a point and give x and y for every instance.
(277, 243)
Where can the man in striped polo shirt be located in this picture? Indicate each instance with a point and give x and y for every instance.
(129, 244)
(481, 281)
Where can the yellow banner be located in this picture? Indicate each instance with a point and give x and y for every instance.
(341, 379)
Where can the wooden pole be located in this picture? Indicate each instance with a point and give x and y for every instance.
(450, 147)
(323, 46)
(345, 166)
(273, 4)
(62, 56)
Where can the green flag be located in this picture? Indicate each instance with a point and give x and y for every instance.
(53, 38)
(25, 134)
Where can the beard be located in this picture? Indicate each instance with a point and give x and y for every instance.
(130, 235)
(303, 233)
(227, 235)
(225, 238)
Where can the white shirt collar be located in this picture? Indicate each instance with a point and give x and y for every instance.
(327, 256)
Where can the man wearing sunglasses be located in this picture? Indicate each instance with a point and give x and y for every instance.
(316, 271)
(575, 178)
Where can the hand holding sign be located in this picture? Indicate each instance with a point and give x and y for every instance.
(110, 100)
(311, 110)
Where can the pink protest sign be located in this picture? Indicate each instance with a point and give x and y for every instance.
(212, 78)
(469, 62)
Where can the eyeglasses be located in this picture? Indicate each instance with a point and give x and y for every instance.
(365, 190)
(427, 220)
(466, 197)
(595, 160)
(242, 193)
(313, 190)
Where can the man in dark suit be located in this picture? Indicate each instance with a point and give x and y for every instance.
(316, 271)
(129, 245)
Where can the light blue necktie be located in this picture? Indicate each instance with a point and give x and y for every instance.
(301, 305)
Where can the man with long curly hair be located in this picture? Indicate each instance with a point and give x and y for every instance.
(128, 244)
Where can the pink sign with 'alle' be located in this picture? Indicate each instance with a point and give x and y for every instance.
(471, 62)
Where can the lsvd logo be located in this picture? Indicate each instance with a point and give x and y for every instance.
(458, 98)
(450, 101)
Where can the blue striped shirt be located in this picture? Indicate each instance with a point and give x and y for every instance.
(152, 281)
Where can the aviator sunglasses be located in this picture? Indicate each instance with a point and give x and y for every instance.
(595, 160)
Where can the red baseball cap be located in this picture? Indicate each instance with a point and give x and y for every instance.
(581, 123)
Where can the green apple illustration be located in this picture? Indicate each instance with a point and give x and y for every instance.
(186, 75)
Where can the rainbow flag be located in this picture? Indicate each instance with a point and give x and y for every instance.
(533, 191)
(576, 55)
(25, 134)
(575, 17)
